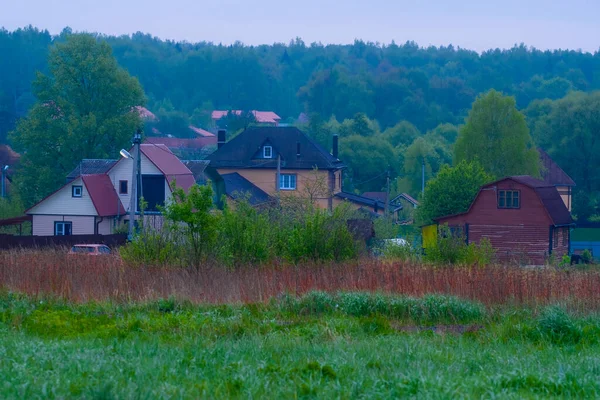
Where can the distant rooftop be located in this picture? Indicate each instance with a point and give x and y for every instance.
(263, 117)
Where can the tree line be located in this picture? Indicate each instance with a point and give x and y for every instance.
(396, 107)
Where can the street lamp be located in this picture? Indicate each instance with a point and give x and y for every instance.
(4, 169)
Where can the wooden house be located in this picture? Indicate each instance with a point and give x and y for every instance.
(525, 219)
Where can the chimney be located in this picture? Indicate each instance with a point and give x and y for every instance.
(297, 149)
(221, 138)
(334, 152)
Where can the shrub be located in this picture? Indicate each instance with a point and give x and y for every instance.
(451, 248)
(555, 324)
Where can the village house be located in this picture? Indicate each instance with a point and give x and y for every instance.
(250, 163)
(525, 220)
(261, 117)
(402, 205)
(97, 196)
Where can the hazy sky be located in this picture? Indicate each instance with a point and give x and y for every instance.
(473, 24)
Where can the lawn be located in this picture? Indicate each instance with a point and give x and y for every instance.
(344, 345)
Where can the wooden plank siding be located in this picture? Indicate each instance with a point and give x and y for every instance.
(525, 235)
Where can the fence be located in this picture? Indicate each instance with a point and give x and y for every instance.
(12, 242)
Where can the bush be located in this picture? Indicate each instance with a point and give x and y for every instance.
(451, 248)
(556, 325)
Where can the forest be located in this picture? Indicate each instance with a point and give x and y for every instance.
(394, 105)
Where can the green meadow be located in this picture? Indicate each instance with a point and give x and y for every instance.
(343, 345)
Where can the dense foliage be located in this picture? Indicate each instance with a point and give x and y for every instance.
(195, 234)
(84, 109)
(396, 106)
(452, 191)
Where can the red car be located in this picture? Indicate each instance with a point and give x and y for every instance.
(90, 249)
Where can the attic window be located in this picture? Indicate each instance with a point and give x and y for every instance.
(268, 152)
(509, 199)
(122, 187)
(76, 191)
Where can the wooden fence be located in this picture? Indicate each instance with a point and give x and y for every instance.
(15, 242)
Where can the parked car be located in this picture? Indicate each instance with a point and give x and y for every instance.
(90, 249)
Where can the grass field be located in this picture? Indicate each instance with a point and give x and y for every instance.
(343, 345)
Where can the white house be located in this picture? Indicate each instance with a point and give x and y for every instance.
(98, 202)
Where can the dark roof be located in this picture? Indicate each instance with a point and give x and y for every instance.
(242, 150)
(375, 195)
(552, 173)
(547, 193)
(238, 187)
(197, 167)
(168, 164)
(366, 201)
(103, 195)
(91, 167)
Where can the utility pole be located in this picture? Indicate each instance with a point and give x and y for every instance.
(278, 183)
(423, 176)
(4, 168)
(137, 138)
(387, 195)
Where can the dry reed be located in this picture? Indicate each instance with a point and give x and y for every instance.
(87, 278)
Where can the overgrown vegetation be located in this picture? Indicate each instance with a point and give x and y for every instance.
(195, 233)
(451, 248)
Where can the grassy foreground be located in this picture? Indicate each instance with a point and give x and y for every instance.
(349, 345)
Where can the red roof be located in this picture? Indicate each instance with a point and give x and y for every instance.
(103, 195)
(169, 165)
(178, 143)
(265, 117)
(201, 132)
(145, 113)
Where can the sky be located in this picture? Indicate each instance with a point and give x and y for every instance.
(473, 24)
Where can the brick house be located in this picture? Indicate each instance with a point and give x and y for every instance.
(249, 163)
(524, 218)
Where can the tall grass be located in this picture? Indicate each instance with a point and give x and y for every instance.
(84, 278)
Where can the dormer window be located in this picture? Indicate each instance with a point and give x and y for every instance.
(268, 152)
(76, 190)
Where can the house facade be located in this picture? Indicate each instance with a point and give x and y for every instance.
(259, 155)
(97, 196)
(525, 219)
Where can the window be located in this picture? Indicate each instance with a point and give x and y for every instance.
(122, 187)
(63, 228)
(153, 191)
(267, 152)
(287, 182)
(104, 250)
(509, 199)
(76, 190)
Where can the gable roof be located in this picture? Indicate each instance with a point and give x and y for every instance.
(408, 198)
(375, 195)
(169, 165)
(552, 173)
(101, 191)
(263, 117)
(91, 167)
(239, 152)
(366, 201)
(237, 187)
(547, 193)
(103, 195)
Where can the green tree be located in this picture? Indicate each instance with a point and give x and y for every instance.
(403, 133)
(570, 134)
(496, 135)
(83, 110)
(368, 159)
(192, 214)
(452, 191)
(431, 150)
